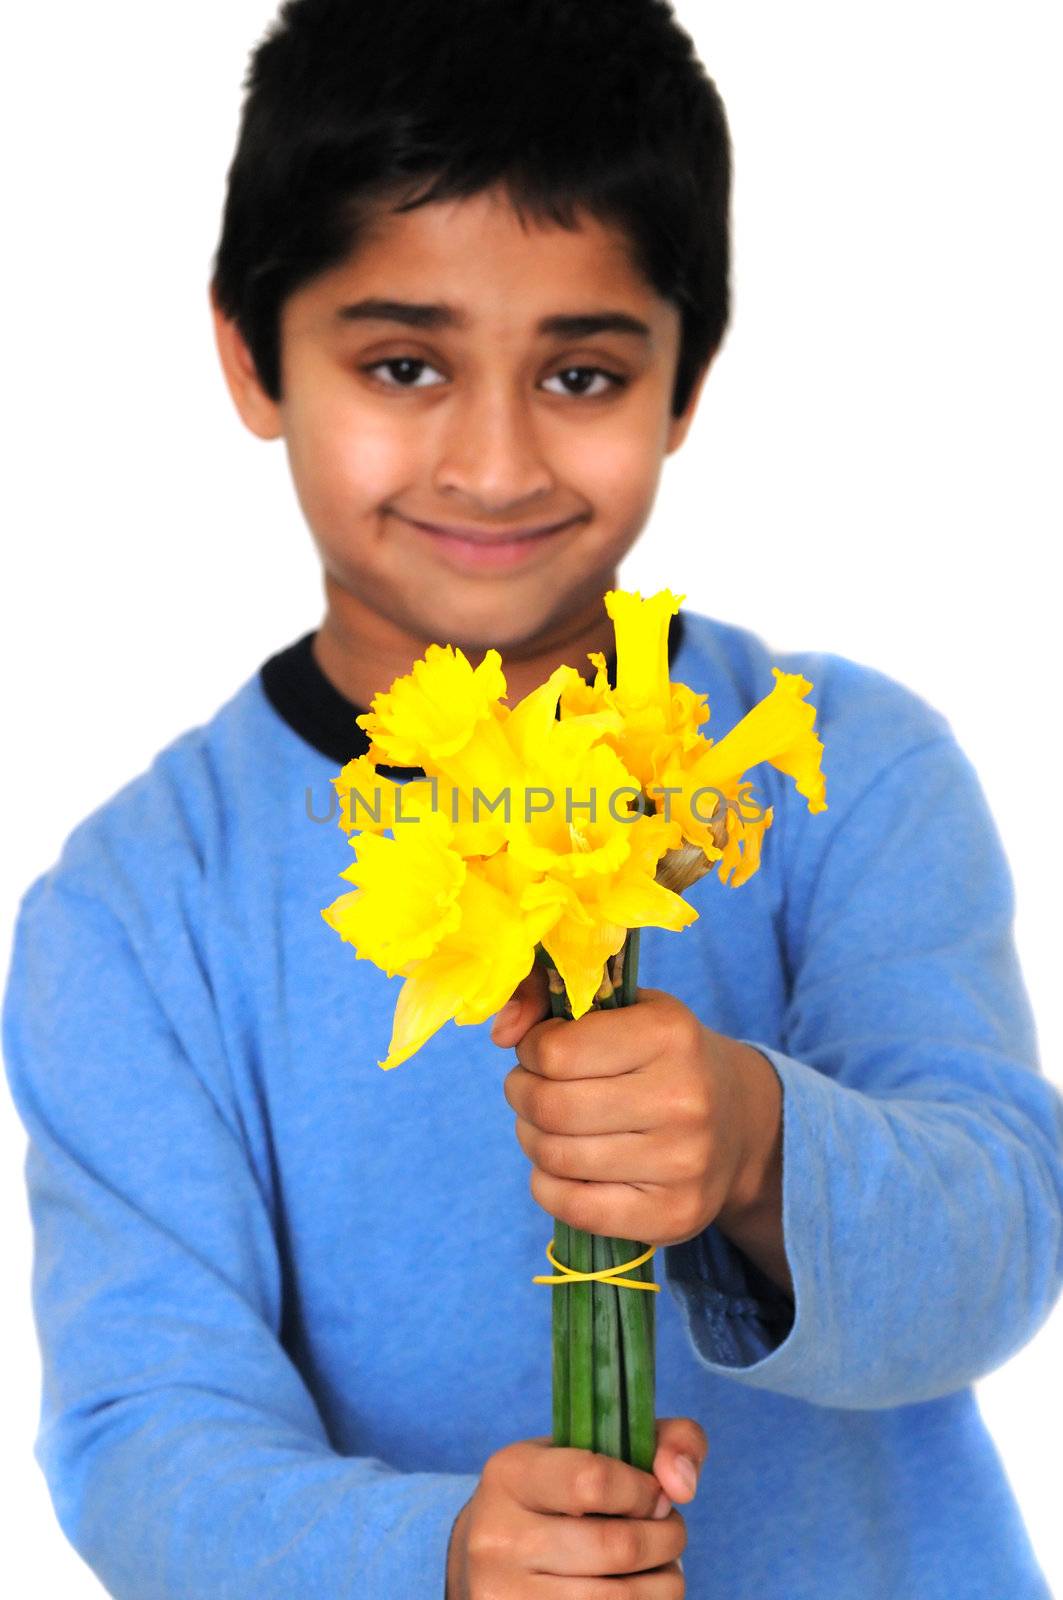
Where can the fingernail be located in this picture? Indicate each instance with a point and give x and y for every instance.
(662, 1508)
(687, 1473)
(507, 1014)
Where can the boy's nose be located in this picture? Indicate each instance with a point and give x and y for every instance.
(491, 452)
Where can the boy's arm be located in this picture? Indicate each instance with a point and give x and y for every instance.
(922, 1151)
(183, 1451)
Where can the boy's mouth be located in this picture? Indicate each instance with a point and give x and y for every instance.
(478, 547)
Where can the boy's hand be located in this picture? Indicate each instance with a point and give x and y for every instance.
(642, 1123)
(543, 1515)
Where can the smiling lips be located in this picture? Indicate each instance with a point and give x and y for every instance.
(479, 547)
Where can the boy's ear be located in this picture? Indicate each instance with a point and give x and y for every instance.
(259, 412)
(677, 428)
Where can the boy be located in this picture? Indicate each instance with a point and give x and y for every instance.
(290, 1343)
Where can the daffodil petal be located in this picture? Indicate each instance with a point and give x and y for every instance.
(429, 998)
(367, 799)
(580, 698)
(741, 852)
(432, 711)
(777, 730)
(639, 902)
(406, 901)
(531, 719)
(579, 953)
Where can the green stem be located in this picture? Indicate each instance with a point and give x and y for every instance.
(604, 1335)
(561, 1305)
(637, 1342)
(581, 1345)
(637, 1306)
(630, 981)
(562, 1292)
(646, 1273)
(608, 1377)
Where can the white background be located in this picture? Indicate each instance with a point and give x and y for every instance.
(870, 472)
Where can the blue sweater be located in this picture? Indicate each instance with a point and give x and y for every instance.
(285, 1300)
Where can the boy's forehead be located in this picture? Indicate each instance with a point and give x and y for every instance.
(476, 257)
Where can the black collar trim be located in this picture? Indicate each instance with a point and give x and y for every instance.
(315, 709)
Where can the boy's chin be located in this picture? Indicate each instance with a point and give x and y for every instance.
(474, 624)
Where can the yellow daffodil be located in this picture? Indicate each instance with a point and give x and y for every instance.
(406, 899)
(641, 629)
(453, 928)
(658, 719)
(534, 718)
(447, 717)
(777, 730)
(660, 740)
(709, 780)
(531, 828)
(473, 970)
(373, 803)
(597, 858)
(368, 800)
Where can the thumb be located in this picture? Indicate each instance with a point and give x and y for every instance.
(679, 1439)
(529, 1003)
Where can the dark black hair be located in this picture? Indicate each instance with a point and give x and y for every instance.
(602, 105)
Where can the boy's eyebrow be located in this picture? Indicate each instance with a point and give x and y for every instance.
(570, 325)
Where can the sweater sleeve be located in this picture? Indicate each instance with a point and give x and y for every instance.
(922, 1147)
(183, 1451)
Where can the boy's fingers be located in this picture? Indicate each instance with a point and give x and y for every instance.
(679, 1440)
(529, 1004)
(575, 1482)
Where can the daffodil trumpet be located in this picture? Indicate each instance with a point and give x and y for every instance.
(554, 831)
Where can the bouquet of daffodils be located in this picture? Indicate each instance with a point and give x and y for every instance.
(553, 831)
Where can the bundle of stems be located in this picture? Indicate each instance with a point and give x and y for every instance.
(604, 1338)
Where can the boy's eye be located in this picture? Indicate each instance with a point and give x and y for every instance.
(405, 363)
(406, 370)
(613, 380)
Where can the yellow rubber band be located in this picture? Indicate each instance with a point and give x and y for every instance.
(605, 1275)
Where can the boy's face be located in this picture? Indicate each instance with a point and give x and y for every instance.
(477, 422)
